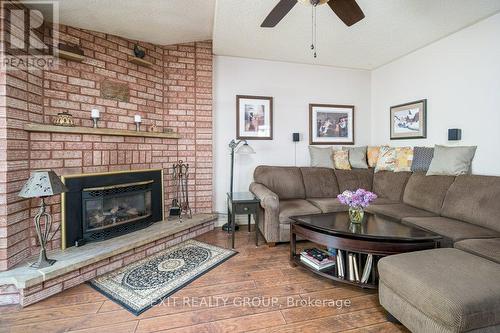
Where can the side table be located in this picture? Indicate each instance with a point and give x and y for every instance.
(243, 203)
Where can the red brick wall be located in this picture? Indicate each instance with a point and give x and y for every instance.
(175, 92)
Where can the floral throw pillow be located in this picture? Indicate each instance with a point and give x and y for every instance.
(404, 159)
(341, 160)
(386, 159)
(372, 154)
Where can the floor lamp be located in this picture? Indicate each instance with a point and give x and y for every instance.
(238, 147)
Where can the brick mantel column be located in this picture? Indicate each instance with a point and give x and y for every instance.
(175, 92)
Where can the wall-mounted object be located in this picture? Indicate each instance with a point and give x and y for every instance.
(331, 124)
(139, 51)
(295, 137)
(409, 120)
(63, 119)
(32, 127)
(95, 116)
(68, 52)
(139, 61)
(254, 117)
(117, 91)
(454, 134)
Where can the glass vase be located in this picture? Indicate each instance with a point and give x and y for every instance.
(356, 214)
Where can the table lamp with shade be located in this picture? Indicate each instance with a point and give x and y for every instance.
(42, 184)
(239, 147)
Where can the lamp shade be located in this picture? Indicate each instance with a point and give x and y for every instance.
(42, 183)
(245, 149)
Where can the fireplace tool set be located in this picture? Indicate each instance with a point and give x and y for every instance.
(180, 203)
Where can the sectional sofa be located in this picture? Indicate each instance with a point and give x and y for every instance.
(452, 289)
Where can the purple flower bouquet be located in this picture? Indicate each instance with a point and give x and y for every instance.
(357, 201)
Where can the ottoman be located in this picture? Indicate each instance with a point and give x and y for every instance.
(441, 290)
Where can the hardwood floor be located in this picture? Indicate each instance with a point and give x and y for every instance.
(257, 291)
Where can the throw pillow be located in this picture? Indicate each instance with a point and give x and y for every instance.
(404, 158)
(321, 157)
(452, 161)
(422, 157)
(341, 159)
(357, 157)
(386, 159)
(372, 153)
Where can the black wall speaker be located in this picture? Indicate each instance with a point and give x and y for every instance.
(454, 134)
(295, 137)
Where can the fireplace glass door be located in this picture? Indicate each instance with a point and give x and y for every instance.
(111, 206)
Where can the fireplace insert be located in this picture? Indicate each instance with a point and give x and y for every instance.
(102, 206)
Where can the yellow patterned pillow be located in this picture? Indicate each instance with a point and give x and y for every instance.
(404, 159)
(386, 159)
(372, 154)
(341, 159)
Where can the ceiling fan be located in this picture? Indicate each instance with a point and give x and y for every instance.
(347, 10)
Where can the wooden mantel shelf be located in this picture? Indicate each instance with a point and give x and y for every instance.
(98, 131)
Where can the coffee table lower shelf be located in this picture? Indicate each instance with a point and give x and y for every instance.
(330, 274)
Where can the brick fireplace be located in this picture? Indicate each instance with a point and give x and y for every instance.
(175, 92)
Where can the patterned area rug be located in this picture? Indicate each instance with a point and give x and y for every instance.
(140, 285)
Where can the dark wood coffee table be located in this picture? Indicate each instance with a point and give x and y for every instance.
(377, 236)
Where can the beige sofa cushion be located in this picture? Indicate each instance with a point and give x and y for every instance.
(474, 199)
(319, 182)
(454, 288)
(286, 182)
(427, 192)
(295, 207)
(353, 179)
(398, 211)
(450, 228)
(486, 248)
(390, 185)
(328, 205)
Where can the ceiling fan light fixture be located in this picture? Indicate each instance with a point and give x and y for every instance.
(313, 2)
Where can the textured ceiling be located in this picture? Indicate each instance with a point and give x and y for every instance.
(391, 29)
(156, 21)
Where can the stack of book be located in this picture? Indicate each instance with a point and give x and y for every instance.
(317, 259)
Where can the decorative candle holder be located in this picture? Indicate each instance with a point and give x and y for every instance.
(137, 120)
(95, 117)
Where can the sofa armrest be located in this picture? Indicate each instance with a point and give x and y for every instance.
(268, 199)
(269, 213)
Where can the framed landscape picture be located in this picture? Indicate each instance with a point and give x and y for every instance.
(409, 121)
(331, 124)
(254, 117)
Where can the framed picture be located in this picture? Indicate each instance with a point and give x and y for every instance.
(254, 117)
(409, 121)
(331, 124)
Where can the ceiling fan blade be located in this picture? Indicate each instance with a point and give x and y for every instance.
(347, 10)
(278, 12)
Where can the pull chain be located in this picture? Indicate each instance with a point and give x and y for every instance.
(315, 31)
(314, 45)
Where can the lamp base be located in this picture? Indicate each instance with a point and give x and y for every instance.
(43, 264)
(43, 261)
(227, 227)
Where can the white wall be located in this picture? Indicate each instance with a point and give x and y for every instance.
(293, 87)
(460, 77)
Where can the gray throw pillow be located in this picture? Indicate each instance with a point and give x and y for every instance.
(452, 161)
(321, 157)
(357, 157)
(422, 157)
